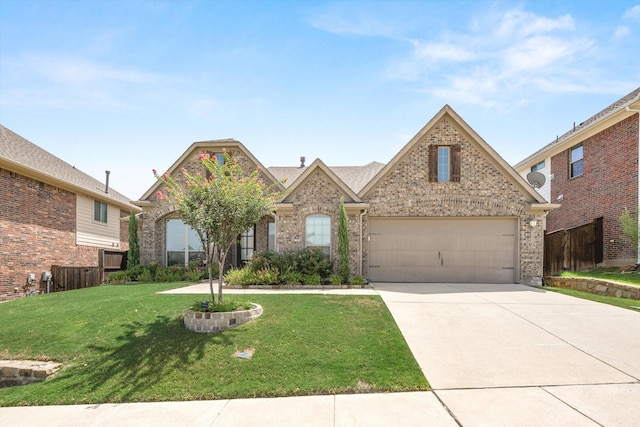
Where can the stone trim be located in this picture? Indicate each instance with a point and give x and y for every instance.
(198, 321)
(595, 286)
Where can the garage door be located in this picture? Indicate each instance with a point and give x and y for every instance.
(443, 250)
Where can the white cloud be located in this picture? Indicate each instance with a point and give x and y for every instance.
(522, 24)
(621, 32)
(633, 13)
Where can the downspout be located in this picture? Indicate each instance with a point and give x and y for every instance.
(362, 214)
(631, 110)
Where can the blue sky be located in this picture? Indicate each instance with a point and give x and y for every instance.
(128, 85)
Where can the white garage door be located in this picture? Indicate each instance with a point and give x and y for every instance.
(443, 250)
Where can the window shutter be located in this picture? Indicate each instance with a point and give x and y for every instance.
(455, 162)
(433, 163)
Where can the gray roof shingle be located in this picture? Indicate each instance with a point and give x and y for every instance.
(17, 150)
(355, 177)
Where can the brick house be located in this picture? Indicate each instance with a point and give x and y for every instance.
(592, 171)
(447, 207)
(51, 214)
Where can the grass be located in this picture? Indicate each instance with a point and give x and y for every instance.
(125, 343)
(607, 273)
(627, 303)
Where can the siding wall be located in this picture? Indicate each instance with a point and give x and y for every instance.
(95, 233)
(545, 190)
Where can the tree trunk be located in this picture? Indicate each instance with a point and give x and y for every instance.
(222, 257)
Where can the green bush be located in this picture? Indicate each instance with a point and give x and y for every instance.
(145, 276)
(214, 307)
(268, 276)
(336, 279)
(292, 277)
(119, 277)
(239, 276)
(358, 280)
(268, 260)
(310, 262)
(312, 279)
(169, 274)
(195, 274)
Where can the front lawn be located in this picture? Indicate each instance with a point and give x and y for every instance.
(125, 343)
(607, 273)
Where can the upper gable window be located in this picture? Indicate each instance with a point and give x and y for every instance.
(318, 233)
(219, 158)
(100, 211)
(576, 166)
(537, 167)
(444, 163)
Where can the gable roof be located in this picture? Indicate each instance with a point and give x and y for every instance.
(615, 112)
(213, 144)
(355, 177)
(24, 157)
(319, 164)
(475, 139)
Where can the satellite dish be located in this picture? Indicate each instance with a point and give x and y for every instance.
(536, 179)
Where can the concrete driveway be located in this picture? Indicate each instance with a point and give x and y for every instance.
(514, 355)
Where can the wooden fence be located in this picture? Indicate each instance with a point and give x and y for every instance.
(575, 249)
(66, 278)
(69, 278)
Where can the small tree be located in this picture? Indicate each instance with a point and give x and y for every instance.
(219, 207)
(133, 255)
(344, 269)
(629, 223)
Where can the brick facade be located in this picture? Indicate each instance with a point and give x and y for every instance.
(37, 230)
(483, 191)
(608, 185)
(486, 189)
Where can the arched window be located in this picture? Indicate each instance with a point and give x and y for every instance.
(318, 233)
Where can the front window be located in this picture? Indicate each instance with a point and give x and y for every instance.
(100, 211)
(247, 245)
(318, 233)
(443, 164)
(576, 166)
(183, 244)
(271, 242)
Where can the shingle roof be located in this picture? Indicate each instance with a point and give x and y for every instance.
(18, 152)
(618, 105)
(355, 177)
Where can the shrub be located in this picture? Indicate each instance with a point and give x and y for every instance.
(292, 277)
(358, 280)
(268, 260)
(169, 274)
(195, 274)
(145, 276)
(336, 279)
(268, 276)
(311, 261)
(239, 276)
(312, 279)
(214, 307)
(119, 277)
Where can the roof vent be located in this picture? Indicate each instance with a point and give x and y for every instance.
(302, 161)
(106, 186)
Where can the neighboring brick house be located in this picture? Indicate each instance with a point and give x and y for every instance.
(592, 171)
(51, 214)
(446, 208)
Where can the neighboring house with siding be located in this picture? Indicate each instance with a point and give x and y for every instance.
(447, 207)
(52, 214)
(592, 172)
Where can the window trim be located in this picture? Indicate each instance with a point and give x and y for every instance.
(187, 254)
(574, 162)
(538, 166)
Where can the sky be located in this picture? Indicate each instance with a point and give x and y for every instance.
(128, 86)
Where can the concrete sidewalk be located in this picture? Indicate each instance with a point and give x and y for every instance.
(495, 355)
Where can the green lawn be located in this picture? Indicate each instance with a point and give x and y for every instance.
(630, 304)
(125, 343)
(607, 273)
